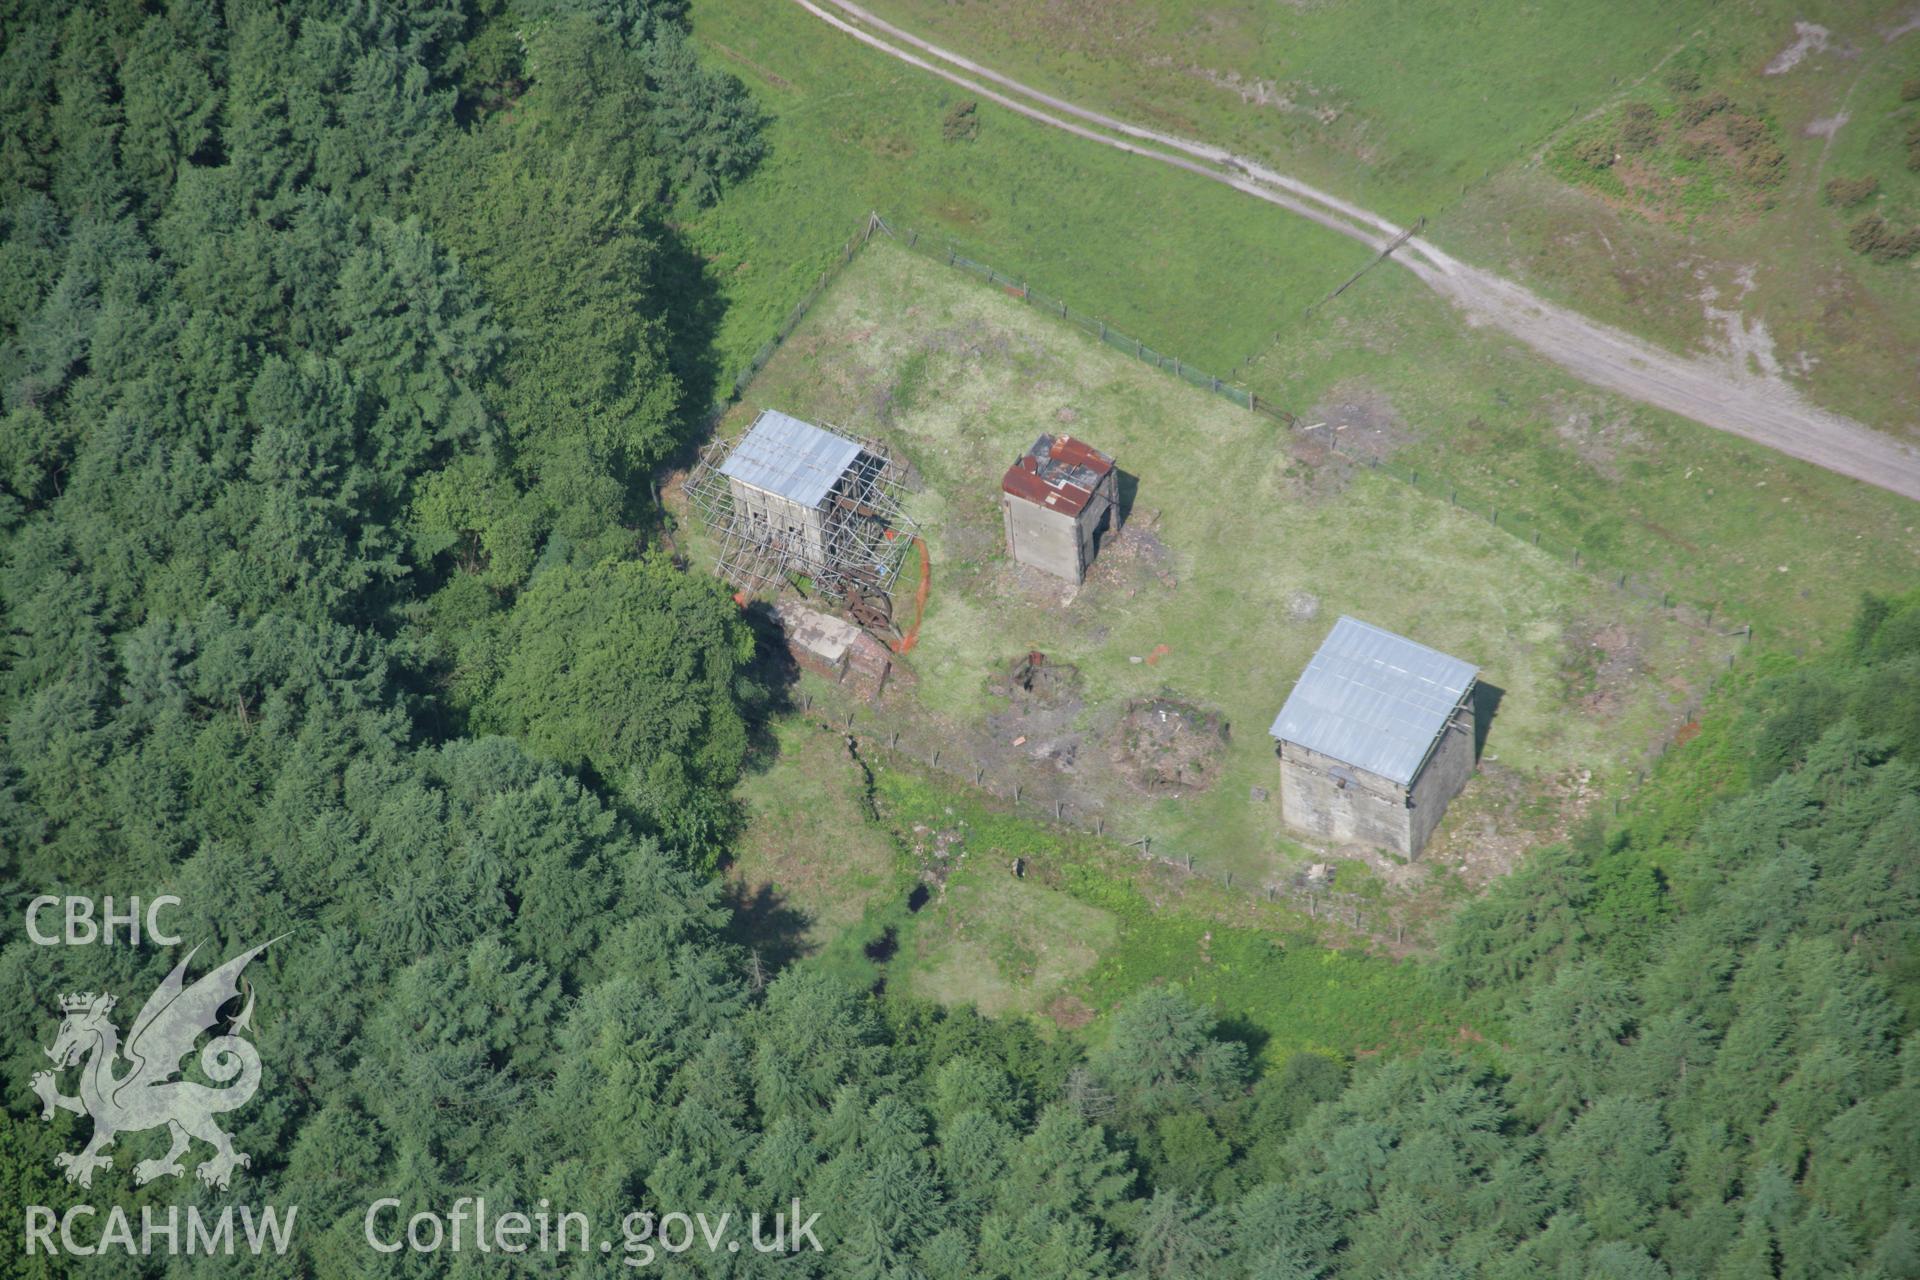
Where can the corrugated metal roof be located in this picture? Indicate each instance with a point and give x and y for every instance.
(790, 458)
(1058, 472)
(1373, 699)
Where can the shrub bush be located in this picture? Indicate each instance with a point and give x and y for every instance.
(1695, 110)
(1639, 128)
(1760, 158)
(962, 123)
(1874, 236)
(1848, 192)
(1596, 153)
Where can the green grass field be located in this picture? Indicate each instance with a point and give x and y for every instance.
(809, 864)
(1397, 105)
(1463, 116)
(1239, 552)
(1085, 927)
(1198, 271)
(829, 881)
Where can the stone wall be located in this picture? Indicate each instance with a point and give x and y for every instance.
(1054, 541)
(1444, 774)
(1341, 804)
(791, 524)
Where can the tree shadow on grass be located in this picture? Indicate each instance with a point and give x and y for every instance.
(693, 307)
(764, 922)
(771, 675)
(1239, 1030)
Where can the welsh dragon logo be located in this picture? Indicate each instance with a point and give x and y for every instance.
(147, 1093)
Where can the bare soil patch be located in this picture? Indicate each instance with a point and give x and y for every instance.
(1040, 723)
(1355, 425)
(1169, 747)
(1601, 665)
(1070, 1013)
(1135, 555)
(1597, 435)
(1808, 38)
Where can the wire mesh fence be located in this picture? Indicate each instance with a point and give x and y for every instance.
(1031, 794)
(941, 249)
(1245, 397)
(1039, 796)
(730, 395)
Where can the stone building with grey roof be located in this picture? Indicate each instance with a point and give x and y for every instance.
(790, 500)
(1375, 740)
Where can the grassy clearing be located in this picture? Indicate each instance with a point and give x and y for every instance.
(1197, 270)
(1450, 113)
(1087, 927)
(1710, 516)
(1391, 103)
(1002, 946)
(1080, 931)
(1678, 235)
(851, 131)
(1238, 554)
(810, 864)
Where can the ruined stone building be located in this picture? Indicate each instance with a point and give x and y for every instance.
(1375, 740)
(1058, 501)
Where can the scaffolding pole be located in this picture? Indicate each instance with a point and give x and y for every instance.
(864, 534)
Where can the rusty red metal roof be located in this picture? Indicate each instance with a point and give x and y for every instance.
(1059, 473)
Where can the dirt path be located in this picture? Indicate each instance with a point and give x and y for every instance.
(1718, 391)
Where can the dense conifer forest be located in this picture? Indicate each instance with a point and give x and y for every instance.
(340, 347)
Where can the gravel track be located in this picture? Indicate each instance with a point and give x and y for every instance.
(1716, 391)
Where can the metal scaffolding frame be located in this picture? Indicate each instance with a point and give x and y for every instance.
(864, 535)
